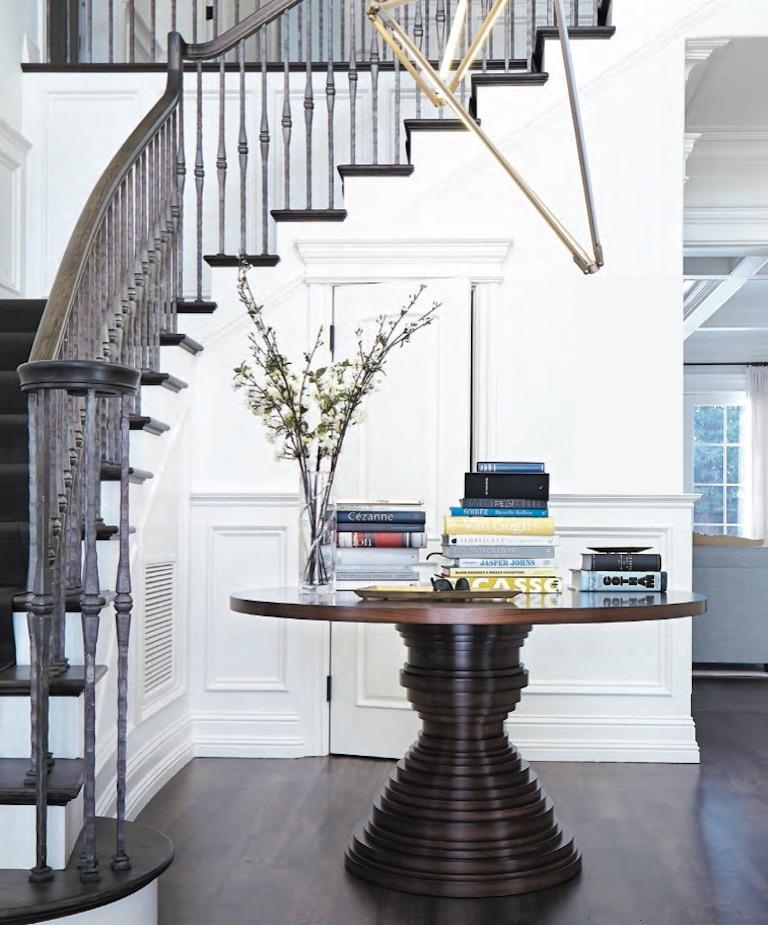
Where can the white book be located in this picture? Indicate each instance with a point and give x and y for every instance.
(490, 539)
(409, 504)
(375, 557)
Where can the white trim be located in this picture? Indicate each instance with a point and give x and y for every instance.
(13, 156)
(244, 499)
(354, 259)
(682, 502)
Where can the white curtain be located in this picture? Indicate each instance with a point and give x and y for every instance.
(757, 390)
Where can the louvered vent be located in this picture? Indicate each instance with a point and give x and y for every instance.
(159, 593)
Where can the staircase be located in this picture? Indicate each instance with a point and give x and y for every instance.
(88, 359)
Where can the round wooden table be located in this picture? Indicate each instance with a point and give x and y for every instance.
(462, 813)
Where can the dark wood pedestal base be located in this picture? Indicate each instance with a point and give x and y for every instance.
(462, 813)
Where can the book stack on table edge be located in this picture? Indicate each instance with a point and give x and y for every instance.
(502, 537)
(619, 570)
(378, 541)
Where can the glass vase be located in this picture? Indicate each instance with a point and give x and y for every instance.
(317, 534)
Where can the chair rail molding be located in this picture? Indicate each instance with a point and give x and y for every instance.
(13, 167)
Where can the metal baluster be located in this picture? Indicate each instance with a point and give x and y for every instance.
(286, 122)
(320, 33)
(531, 29)
(181, 173)
(375, 96)
(418, 35)
(242, 148)
(343, 30)
(508, 48)
(89, 30)
(68, 33)
(153, 26)
(173, 15)
(330, 99)
(123, 609)
(91, 604)
(309, 105)
(199, 181)
(221, 156)
(485, 5)
(39, 620)
(131, 31)
(575, 12)
(352, 77)
(440, 27)
(264, 140)
(300, 31)
(427, 29)
(397, 99)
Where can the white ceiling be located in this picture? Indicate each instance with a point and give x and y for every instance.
(727, 193)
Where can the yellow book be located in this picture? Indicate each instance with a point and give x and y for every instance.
(495, 526)
(501, 573)
(528, 585)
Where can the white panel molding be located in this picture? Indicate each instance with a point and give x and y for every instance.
(277, 681)
(683, 502)
(276, 499)
(729, 146)
(13, 158)
(368, 259)
(718, 228)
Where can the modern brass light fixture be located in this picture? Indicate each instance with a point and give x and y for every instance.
(440, 85)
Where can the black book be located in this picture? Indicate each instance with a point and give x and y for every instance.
(531, 504)
(621, 562)
(499, 485)
(379, 528)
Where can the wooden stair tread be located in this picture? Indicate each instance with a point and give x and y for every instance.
(150, 852)
(166, 380)
(194, 307)
(148, 424)
(15, 681)
(175, 339)
(374, 170)
(309, 215)
(65, 780)
(234, 260)
(110, 472)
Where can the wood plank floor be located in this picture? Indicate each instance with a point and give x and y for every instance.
(262, 842)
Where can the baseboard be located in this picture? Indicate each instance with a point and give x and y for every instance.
(149, 770)
(663, 740)
(248, 735)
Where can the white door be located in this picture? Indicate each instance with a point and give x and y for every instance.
(415, 443)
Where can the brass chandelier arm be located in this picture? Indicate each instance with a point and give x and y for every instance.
(578, 130)
(454, 37)
(439, 93)
(480, 36)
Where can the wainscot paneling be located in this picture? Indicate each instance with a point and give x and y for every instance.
(257, 685)
(13, 158)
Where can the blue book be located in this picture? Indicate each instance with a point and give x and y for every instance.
(499, 512)
(510, 467)
(363, 518)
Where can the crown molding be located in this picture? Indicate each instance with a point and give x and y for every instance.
(338, 260)
(699, 50)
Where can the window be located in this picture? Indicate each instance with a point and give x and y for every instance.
(719, 451)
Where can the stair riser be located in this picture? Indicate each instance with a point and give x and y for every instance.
(14, 349)
(17, 844)
(66, 736)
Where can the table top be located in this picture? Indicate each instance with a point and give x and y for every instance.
(568, 607)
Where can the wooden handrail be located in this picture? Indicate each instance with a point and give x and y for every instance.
(242, 30)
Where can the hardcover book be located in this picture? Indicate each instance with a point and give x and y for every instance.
(506, 485)
(377, 539)
(509, 467)
(536, 553)
(499, 572)
(618, 581)
(527, 503)
(490, 539)
(408, 504)
(520, 526)
(379, 528)
(621, 562)
(376, 558)
(503, 564)
(527, 584)
(499, 512)
(380, 517)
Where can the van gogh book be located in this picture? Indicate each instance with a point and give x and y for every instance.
(618, 581)
(515, 526)
(509, 467)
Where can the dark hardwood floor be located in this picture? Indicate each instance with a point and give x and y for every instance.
(262, 842)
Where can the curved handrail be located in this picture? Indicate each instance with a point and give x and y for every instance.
(58, 310)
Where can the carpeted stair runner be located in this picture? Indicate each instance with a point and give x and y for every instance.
(18, 322)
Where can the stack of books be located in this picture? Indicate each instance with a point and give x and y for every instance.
(378, 541)
(502, 537)
(619, 570)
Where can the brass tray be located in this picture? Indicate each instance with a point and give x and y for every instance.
(422, 593)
